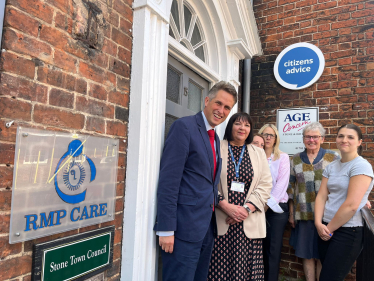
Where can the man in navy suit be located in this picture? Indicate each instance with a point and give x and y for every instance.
(189, 174)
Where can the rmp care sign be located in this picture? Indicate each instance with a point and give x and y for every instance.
(61, 181)
(299, 66)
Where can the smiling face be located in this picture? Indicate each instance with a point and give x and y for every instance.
(347, 140)
(258, 141)
(218, 108)
(312, 139)
(269, 136)
(240, 131)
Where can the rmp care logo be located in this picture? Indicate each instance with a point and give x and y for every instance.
(72, 170)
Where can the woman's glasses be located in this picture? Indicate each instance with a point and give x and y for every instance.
(268, 136)
(311, 137)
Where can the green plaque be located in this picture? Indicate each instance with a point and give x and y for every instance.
(69, 260)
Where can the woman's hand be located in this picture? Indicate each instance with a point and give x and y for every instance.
(323, 231)
(291, 220)
(368, 204)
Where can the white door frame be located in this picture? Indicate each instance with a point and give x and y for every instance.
(235, 37)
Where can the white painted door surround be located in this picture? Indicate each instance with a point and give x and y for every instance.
(231, 34)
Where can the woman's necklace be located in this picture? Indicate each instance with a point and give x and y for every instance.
(312, 157)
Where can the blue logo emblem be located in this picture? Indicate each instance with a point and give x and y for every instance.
(74, 173)
(299, 66)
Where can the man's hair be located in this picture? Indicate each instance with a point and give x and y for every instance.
(225, 86)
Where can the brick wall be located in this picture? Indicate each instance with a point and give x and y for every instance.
(65, 66)
(344, 31)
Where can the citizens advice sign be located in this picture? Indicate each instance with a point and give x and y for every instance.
(299, 66)
(290, 125)
(61, 181)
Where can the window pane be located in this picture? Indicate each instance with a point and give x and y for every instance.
(171, 33)
(168, 121)
(199, 52)
(196, 37)
(175, 14)
(194, 97)
(184, 45)
(172, 87)
(187, 18)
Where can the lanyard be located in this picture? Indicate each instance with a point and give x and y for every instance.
(239, 162)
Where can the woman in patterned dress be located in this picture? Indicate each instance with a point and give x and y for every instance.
(243, 191)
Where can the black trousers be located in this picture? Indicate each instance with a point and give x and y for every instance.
(189, 260)
(340, 252)
(275, 225)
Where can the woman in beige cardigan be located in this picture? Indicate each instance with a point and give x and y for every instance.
(243, 192)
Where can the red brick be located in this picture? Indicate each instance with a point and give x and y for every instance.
(364, 90)
(7, 153)
(343, 115)
(120, 190)
(124, 55)
(34, 7)
(325, 6)
(64, 5)
(64, 22)
(119, 205)
(5, 204)
(125, 26)
(56, 78)
(95, 124)
(344, 84)
(18, 65)
(123, 9)
(119, 98)
(8, 249)
(21, 21)
(61, 98)
(119, 67)
(344, 24)
(345, 91)
(94, 107)
(6, 177)
(98, 92)
(115, 128)
(65, 61)
(341, 54)
(326, 34)
(92, 72)
(22, 88)
(109, 47)
(57, 117)
(123, 84)
(15, 267)
(121, 38)
(319, 94)
(15, 109)
(81, 86)
(26, 45)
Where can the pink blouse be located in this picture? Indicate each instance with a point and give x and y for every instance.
(280, 172)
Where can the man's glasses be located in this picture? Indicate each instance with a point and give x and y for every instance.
(268, 135)
(311, 137)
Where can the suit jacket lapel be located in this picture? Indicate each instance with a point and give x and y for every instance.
(205, 137)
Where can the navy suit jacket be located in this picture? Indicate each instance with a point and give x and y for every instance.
(186, 187)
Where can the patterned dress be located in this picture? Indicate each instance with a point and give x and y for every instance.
(236, 257)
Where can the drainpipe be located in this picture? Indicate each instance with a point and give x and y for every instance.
(246, 85)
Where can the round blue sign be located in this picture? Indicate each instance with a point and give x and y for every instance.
(299, 66)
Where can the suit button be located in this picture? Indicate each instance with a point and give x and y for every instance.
(211, 205)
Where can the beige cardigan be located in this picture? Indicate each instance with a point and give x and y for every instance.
(258, 194)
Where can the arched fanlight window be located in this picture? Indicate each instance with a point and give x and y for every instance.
(185, 27)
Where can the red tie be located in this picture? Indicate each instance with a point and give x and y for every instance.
(211, 139)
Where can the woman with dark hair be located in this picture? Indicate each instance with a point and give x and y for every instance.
(243, 191)
(258, 140)
(344, 190)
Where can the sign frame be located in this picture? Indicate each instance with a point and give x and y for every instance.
(294, 46)
(280, 126)
(39, 251)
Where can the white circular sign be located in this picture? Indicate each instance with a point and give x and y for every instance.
(299, 66)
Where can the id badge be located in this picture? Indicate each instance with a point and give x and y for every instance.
(237, 186)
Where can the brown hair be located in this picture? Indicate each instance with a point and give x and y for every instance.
(225, 86)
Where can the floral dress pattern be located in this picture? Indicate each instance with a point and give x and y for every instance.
(236, 257)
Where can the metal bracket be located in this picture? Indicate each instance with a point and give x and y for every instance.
(10, 123)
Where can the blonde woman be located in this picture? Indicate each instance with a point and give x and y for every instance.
(277, 214)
